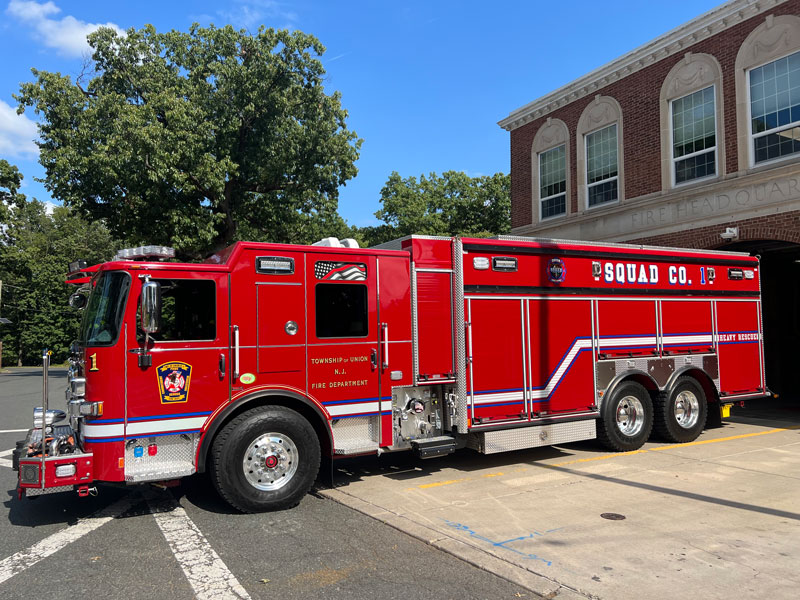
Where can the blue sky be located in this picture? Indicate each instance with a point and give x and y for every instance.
(425, 82)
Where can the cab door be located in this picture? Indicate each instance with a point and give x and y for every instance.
(188, 377)
(343, 333)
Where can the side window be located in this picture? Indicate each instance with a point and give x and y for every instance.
(694, 142)
(601, 166)
(188, 310)
(341, 310)
(553, 182)
(775, 108)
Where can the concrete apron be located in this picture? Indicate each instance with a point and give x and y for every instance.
(717, 518)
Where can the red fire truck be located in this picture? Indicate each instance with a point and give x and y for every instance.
(254, 364)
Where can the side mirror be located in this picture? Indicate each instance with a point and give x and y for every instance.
(150, 309)
(77, 301)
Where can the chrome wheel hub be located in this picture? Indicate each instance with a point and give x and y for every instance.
(630, 416)
(687, 409)
(270, 461)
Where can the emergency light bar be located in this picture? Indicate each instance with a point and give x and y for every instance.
(145, 252)
(77, 265)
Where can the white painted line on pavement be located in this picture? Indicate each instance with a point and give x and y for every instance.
(13, 431)
(17, 563)
(207, 574)
(4, 462)
(7, 452)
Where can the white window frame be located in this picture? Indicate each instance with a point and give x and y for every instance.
(751, 137)
(564, 193)
(596, 183)
(715, 148)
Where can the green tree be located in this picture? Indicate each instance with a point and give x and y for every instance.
(10, 182)
(452, 203)
(195, 139)
(35, 251)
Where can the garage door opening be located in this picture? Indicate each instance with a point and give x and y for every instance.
(780, 287)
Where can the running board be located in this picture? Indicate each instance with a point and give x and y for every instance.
(433, 447)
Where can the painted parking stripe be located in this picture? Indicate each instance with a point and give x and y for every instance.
(4, 462)
(19, 562)
(13, 431)
(207, 574)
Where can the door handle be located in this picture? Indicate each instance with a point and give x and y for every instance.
(235, 352)
(221, 366)
(385, 331)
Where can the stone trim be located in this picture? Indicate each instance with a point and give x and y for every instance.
(552, 134)
(673, 42)
(708, 238)
(774, 38)
(601, 112)
(765, 193)
(692, 73)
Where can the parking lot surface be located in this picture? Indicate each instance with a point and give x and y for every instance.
(716, 518)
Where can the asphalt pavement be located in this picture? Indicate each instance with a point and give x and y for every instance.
(143, 542)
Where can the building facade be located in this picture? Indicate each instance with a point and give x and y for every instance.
(691, 140)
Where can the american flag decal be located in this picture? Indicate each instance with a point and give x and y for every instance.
(340, 271)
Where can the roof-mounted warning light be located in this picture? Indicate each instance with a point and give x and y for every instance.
(337, 243)
(142, 252)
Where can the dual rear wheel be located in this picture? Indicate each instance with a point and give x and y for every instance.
(630, 414)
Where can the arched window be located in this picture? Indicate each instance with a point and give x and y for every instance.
(768, 92)
(692, 134)
(599, 154)
(550, 170)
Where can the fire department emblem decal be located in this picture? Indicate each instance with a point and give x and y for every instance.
(556, 271)
(173, 382)
(340, 271)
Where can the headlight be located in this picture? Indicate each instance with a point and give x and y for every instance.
(78, 386)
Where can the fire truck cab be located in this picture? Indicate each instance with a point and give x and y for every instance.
(254, 364)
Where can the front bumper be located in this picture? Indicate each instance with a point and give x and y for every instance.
(43, 475)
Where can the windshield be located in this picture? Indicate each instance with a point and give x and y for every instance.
(103, 315)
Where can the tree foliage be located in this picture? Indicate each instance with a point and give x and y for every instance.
(35, 251)
(195, 139)
(449, 204)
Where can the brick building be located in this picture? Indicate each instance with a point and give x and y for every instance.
(691, 140)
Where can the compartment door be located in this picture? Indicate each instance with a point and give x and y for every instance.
(740, 347)
(496, 346)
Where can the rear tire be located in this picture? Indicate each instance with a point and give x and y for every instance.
(681, 413)
(626, 418)
(265, 459)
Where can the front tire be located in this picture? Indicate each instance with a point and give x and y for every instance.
(626, 418)
(681, 413)
(265, 459)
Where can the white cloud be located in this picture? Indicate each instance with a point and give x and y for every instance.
(17, 133)
(67, 35)
(253, 13)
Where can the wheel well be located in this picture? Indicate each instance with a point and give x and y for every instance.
(300, 406)
(702, 378)
(638, 376)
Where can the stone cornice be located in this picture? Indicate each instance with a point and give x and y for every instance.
(673, 42)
